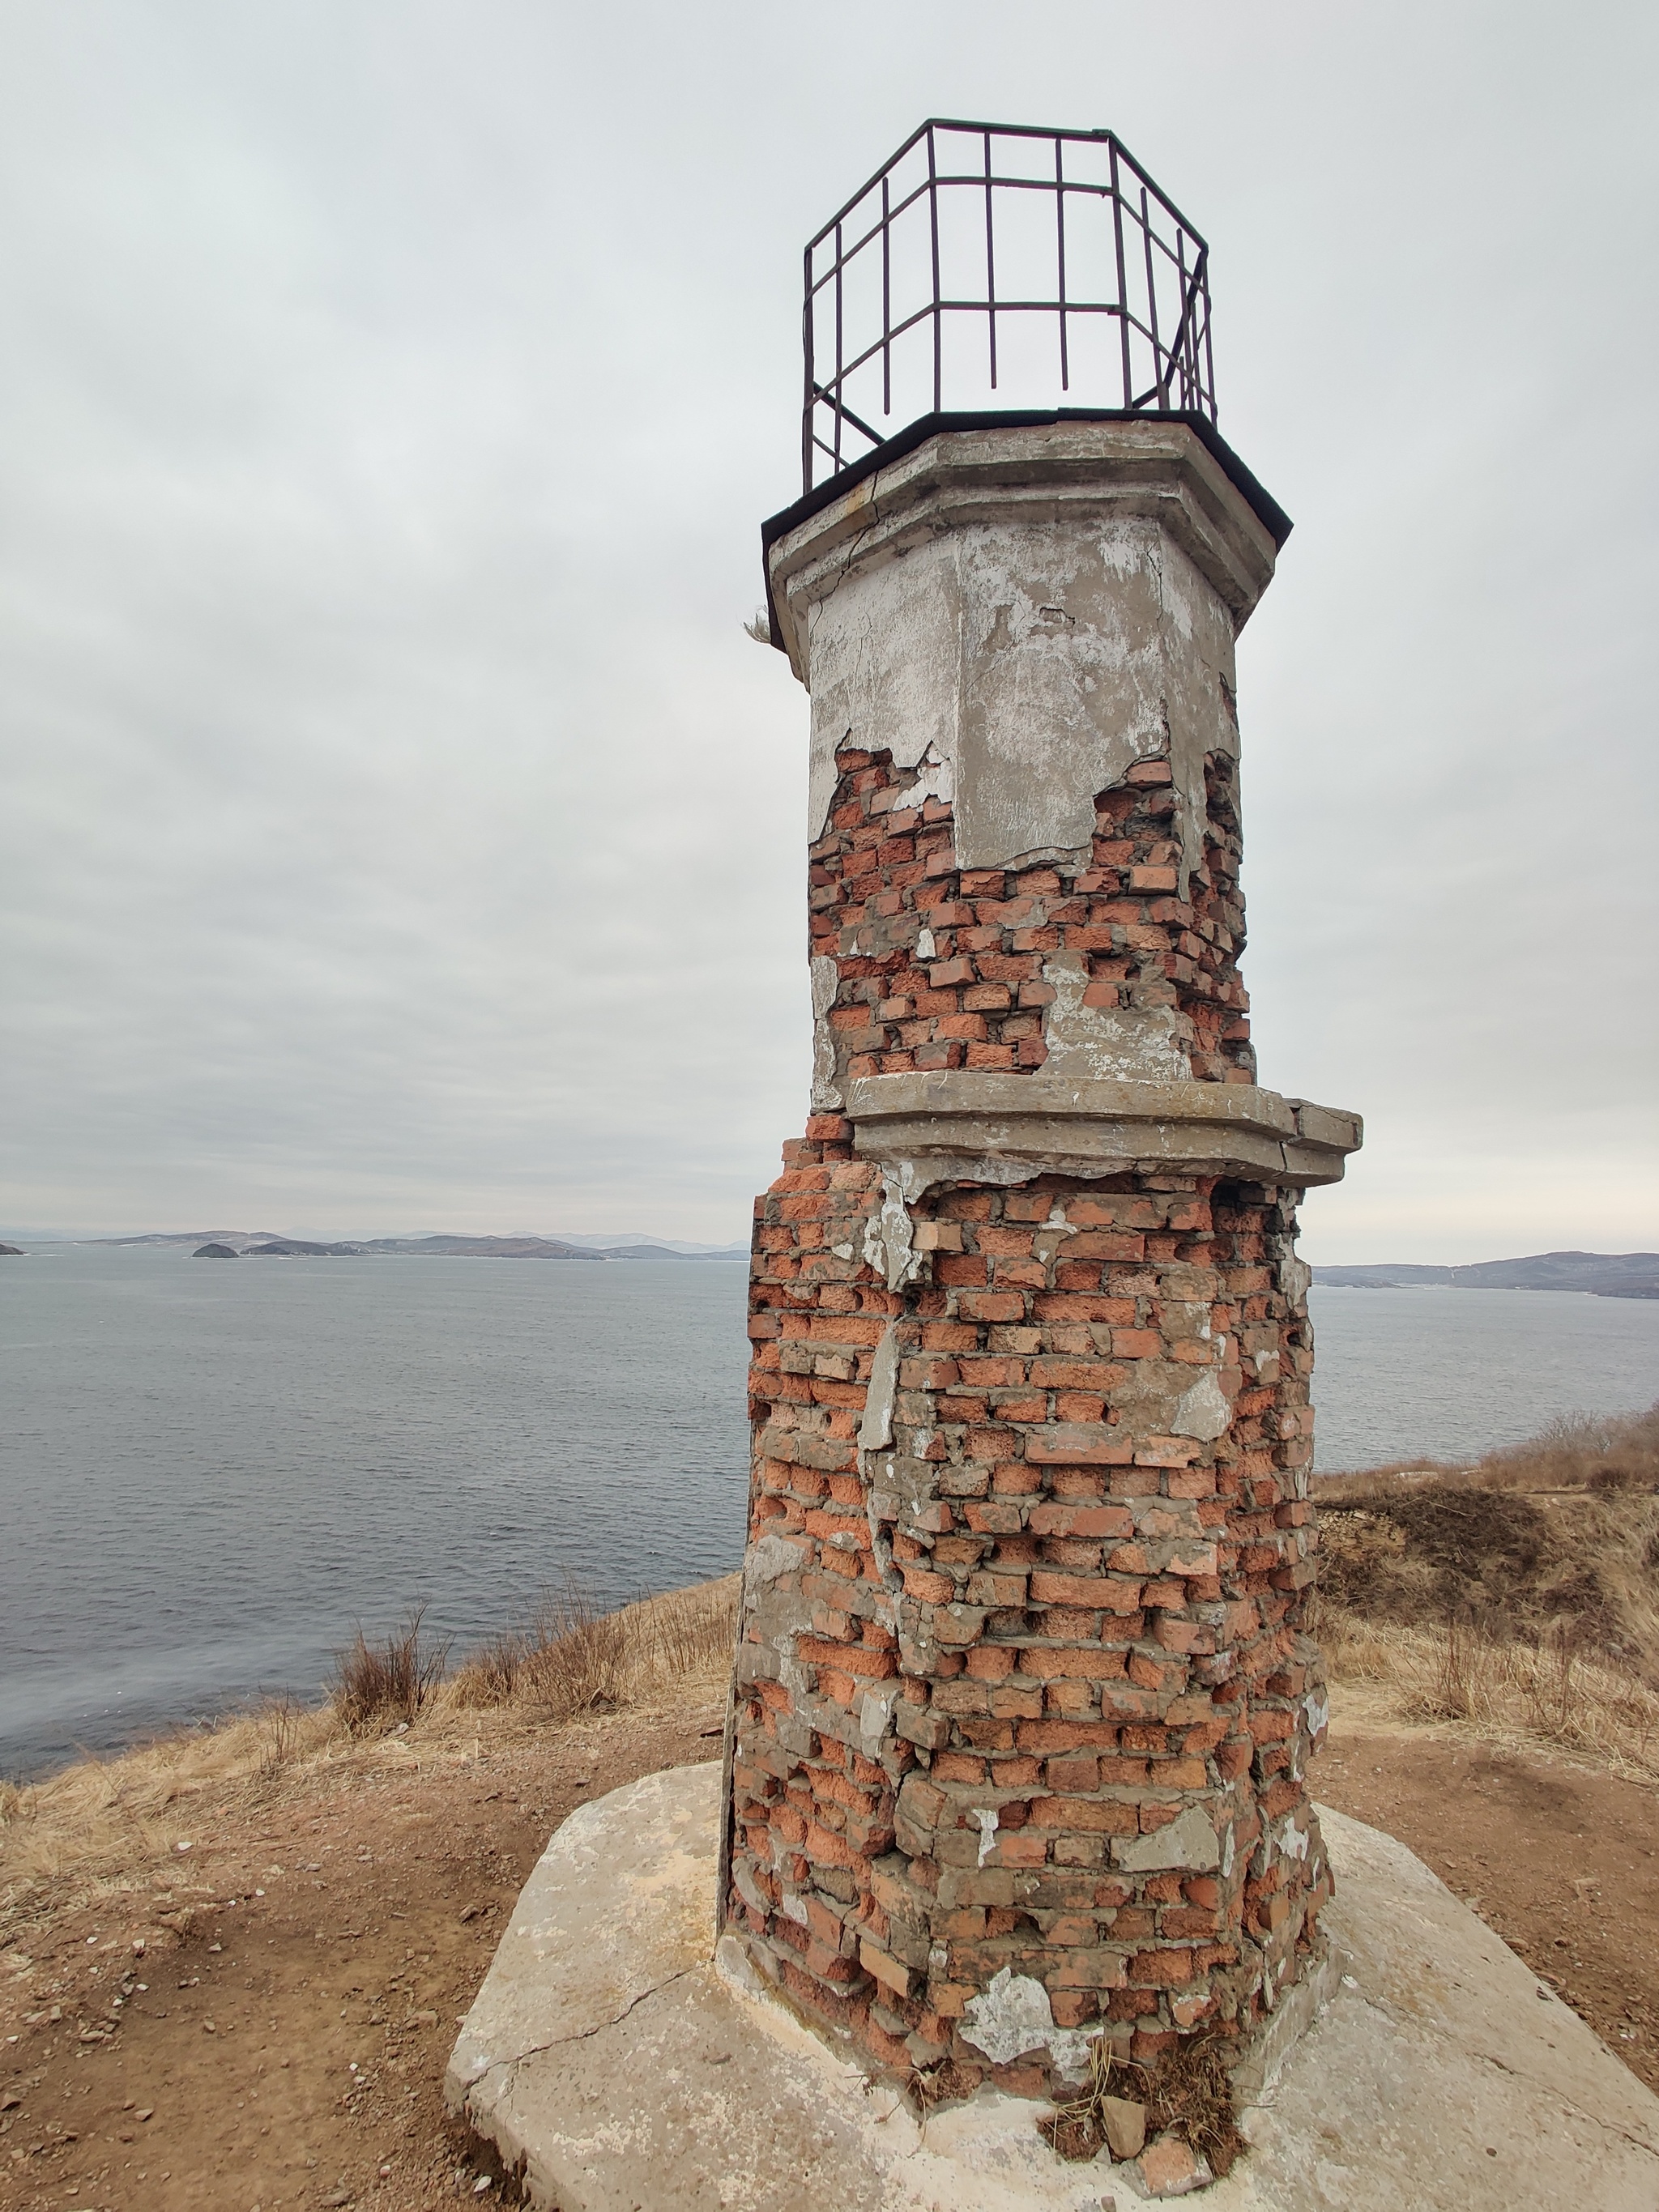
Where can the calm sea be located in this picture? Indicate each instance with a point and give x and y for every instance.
(208, 1472)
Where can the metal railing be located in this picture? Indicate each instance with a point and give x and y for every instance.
(1043, 266)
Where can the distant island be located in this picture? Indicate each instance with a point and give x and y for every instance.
(1602, 1274)
(270, 1244)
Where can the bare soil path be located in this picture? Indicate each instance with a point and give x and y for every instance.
(1561, 1860)
(284, 2033)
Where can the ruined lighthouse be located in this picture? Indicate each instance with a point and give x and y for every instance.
(1025, 1694)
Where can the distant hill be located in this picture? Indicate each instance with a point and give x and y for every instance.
(270, 1243)
(1602, 1274)
(238, 1239)
(618, 1241)
(297, 1247)
(481, 1247)
(528, 1247)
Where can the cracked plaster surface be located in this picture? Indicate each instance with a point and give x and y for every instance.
(1025, 667)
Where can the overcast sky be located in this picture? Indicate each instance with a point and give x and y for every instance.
(397, 829)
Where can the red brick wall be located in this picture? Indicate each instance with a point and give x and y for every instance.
(885, 869)
(1085, 1625)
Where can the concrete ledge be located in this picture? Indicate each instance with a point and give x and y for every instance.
(630, 2071)
(1149, 466)
(1043, 1123)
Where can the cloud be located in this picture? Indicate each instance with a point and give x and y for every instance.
(399, 829)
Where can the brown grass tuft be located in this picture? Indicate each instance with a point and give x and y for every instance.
(1189, 2093)
(1192, 2094)
(567, 1658)
(1075, 2129)
(378, 1686)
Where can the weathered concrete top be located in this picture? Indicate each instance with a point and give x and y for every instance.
(1026, 612)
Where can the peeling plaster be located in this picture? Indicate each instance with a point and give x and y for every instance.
(1188, 1841)
(767, 1559)
(875, 1435)
(1022, 667)
(826, 979)
(1293, 1842)
(984, 1818)
(1169, 1398)
(1014, 2016)
(875, 1429)
(890, 1237)
(1093, 1044)
(876, 1719)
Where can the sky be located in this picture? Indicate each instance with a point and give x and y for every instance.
(398, 829)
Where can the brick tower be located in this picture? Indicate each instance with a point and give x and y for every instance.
(1025, 1696)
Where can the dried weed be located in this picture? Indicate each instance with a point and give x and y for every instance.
(1191, 2094)
(1075, 2129)
(377, 1686)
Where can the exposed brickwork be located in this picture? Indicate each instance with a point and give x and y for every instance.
(1032, 1603)
(973, 997)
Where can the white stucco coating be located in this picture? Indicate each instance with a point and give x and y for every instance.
(1019, 618)
(1146, 1042)
(1029, 665)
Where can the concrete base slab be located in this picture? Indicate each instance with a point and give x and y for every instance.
(629, 2068)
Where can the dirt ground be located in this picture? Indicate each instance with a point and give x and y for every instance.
(285, 2045)
(280, 2039)
(1561, 1860)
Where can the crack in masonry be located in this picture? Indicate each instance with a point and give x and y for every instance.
(1566, 2104)
(578, 2035)
(1533, 2082)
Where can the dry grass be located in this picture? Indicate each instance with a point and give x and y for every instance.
(1076, 2128)
(388, 1684)
(100, 1818)
(1192, 2094)
(568, 1658)
(1523, 1694)
(1556, 1537)
(1518, 1598)
(106, 1813)
(1188, 2091)
(1576, 1451)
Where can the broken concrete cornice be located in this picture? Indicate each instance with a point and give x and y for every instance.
(935, 1124)
(1160, 470)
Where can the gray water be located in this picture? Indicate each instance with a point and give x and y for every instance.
(208, 1472)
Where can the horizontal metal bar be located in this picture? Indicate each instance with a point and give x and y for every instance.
(1111, 307)
(1013, 183)
(1102, 138)
(1166, 282)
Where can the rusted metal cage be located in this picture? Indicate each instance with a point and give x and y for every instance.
(1042, 266)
